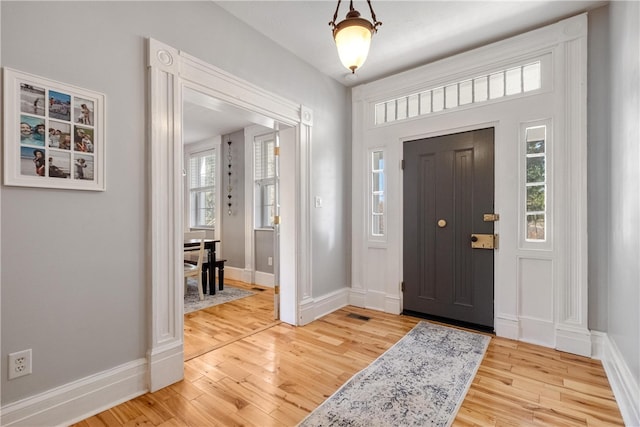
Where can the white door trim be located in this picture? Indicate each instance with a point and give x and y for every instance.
(170, 70)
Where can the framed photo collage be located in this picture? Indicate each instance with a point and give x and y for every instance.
(53, 134)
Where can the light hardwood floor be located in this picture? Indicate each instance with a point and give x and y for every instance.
(242, 368)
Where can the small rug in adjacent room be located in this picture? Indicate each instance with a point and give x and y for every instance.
(420, 381)
(192, 299)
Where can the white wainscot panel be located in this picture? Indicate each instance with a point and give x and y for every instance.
(375, 278)
(535, 284)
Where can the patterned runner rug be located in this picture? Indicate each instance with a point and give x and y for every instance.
(420, 381)
(192, 299)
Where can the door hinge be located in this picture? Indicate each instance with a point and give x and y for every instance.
(402, 286)
(276, 219)
(276, 151)
(402, 164)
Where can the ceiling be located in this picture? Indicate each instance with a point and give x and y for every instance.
(205, 117)
(413, 33)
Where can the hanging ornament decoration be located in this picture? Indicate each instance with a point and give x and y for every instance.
(229, 188)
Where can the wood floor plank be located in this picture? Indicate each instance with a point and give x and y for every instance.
(141, 421)
(151, 409)
(242, 368)
(191, 415)
(172, 422)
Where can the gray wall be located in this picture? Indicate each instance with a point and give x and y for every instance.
(614, 177)
(263, 250)
(599, 146)
(232, 226)
(75, 286)
(623, 222)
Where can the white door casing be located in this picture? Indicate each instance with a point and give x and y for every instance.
(170, 71)
(540, 289)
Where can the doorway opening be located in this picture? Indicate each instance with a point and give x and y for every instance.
(170, 71)
(238, 210)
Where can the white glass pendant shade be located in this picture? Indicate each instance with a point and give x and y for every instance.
(353, 38)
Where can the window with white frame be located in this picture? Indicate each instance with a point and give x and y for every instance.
(377, 194)
(536, 183)
(202, 189)
(264, 180)
(503, 83)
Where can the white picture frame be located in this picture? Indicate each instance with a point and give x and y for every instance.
(54, 134)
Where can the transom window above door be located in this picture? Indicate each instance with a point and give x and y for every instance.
(495, 85)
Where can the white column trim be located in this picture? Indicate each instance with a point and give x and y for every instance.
(304, 214)
(572, 333)
(166, 219)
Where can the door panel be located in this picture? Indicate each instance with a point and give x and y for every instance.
(448, 186)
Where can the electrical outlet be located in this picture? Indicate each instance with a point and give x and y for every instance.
(19, 363)
(270, 260)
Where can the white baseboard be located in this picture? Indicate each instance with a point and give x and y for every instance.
(357, 297)
(258, 277)
(264, 279)
(306, 312)
(331, 302)
(80, 399)
(376, 300)
(537, 331)
(235, 273)
(573, 340)
(392, 304)
(507, 326)
(597, 344)
(624, 385)
(314, 308)
(166, 365)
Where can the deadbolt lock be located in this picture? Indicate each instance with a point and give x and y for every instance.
(492, 217)
(484, 241)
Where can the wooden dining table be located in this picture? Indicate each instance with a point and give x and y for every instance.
(208, 267)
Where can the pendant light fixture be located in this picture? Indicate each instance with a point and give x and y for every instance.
(353, 36)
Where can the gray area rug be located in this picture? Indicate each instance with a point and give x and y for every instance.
(420, 381)
(192, 299)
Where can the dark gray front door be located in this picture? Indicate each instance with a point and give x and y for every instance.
(448, 187)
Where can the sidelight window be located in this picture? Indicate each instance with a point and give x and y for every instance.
(536, 180)
(377, 194)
